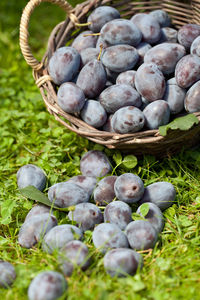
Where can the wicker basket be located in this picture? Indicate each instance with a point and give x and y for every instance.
(144, 142)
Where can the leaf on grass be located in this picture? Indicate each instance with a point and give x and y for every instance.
(117, 157)
(129, 161)
(182, 123)
(7, 207)
(144, 209)
(34, 194)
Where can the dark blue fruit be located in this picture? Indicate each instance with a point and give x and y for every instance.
(187, 34)
(7, 274)
(160, 193)
(86, 215)
(48, 285)
(127, 77)
(119, 213)
(75, 253)
(192, 99)
(119, 95)
(195, 47)
(122, 262)
(100, 16)
(161, 16)
(129, 188)
(70, 97)
(156, 114)
(107, 126)
(174, 95)
(127, 119)
(31, 175)
(165, 56)
(120, 58)
(104, 192)
(38, 209)
(121, 31)
(65, 194)
(142, 49)
(83, 41)
(59, 236)
(95, 163)
(64, 65)
(150, 82)
(88, 54)
(149, 27)
(154, 216)
(88, 183)
(187, 70)
(92, 78)
(93, 113)
(169, 35)
(106, 236)
(141, 235)
(34, 229)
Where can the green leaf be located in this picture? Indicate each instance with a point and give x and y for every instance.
(117, 157)
(34, 194)
(182, 123)
(129, 161)
(144, 209)
(6, 211)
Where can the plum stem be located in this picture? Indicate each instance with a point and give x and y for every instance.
(101, 49)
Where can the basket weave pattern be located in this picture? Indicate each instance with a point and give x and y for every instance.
(149, 141)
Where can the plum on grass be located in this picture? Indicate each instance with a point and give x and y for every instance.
(192, 99)
(73, 254)
(127, 119)
(127, 77)
(88, 183)
(141, 235)
(100, 16)
(154, 216)
(187, 70)
(119, 213)
(161, 193)
(161, 16)
(149, 27)
(129, 188)
(121, 262)
(121, 31)
(156, 114)
(65, 194)
(165, 56)
(150, 82)
(88, 54)
(31, 175)
(59, 236)
(95, 163)
(106, 236)
(92, 78)
(36, 210)
(48, 285)
(174, 95)
(86, 215)
(70, 97)
(34, 229)
(120, 58)
(119, 95)
(84, 40)
(7, 274)
(187, 34)
(93, 113)
(64, 64)
(104, 192)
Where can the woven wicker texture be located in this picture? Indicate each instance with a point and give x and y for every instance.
(149, 141)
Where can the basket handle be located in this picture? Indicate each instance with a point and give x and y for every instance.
(23, 35)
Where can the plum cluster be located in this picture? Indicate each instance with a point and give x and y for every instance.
(102, 203)
(138, 74)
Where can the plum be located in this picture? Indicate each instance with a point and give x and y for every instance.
(104, 192)
(7, 274)
(88, 183)
(31, 175)
(84, 40)
(119, 213)
(192, 99)
(127, 77)
(156, 114)
(187, 34)
(93, 113)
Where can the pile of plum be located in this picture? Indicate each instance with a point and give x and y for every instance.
(99, 202)
(127, 75)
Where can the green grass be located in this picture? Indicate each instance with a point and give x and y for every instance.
(29, 134)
